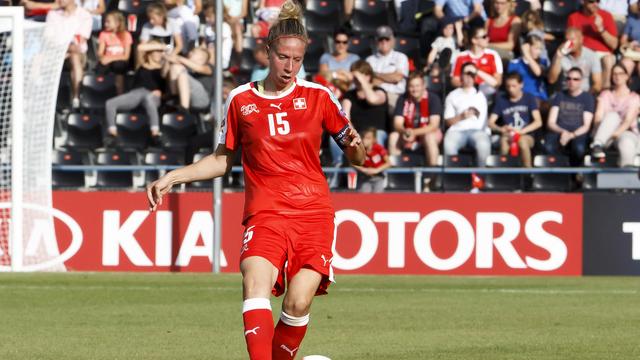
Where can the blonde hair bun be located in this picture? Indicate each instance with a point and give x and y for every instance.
(290, 10)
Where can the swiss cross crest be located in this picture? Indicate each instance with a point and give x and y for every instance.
(299, 104)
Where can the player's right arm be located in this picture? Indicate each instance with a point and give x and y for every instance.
(209, 167)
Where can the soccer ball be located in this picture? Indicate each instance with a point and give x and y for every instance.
(315, 357)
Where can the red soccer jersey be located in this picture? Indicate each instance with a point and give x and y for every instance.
(488, 62)
(592, 39)
(280, 138)
(375, 156)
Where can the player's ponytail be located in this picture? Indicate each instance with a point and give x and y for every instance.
(289, 23)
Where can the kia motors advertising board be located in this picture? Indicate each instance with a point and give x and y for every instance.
(484, 234)
(611, 234)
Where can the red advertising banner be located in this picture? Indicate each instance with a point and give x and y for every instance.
(482, 234)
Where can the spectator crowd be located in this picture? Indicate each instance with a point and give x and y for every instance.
(430, 79)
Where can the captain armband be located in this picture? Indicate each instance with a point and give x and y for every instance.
(341, 137)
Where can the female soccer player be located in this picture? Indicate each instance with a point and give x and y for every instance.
(288, 216)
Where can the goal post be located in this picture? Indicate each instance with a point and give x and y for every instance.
(31, 59)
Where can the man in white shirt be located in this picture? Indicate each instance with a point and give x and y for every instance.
(465, 112)
(80, 22)
(390, 67)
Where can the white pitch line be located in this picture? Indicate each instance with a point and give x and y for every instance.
(338, 289)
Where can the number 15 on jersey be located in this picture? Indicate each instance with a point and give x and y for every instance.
(278, 123)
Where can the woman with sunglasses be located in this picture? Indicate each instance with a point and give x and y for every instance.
(335, 66)
(615, 118)
(487, 62)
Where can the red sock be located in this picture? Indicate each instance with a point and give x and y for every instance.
(258, 328)
(288, 336)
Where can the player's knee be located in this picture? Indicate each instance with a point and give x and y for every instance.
(254, 286)
(296, 306)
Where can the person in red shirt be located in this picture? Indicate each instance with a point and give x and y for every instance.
(288, 217)
(487, 61)
(503, 28)
(376, 161)
(600, 34)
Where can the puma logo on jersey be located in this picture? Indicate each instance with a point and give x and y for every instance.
(285, 348)
(326, 260)
(276, 106)
(248, 109)
(253, 331)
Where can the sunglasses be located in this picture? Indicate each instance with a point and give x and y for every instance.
(485, 36)
(383, 39)
(341, 42)
(470, 73)
(574, 79)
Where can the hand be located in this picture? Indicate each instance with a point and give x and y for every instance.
(565, 48)
(172, 58)
(505, 130)
(105, 61)
(597, 21)
(360, 77)
(565, 137)
(407, 134)
(353, 138)
(156, 190)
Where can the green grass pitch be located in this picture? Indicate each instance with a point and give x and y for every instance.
(187, 316)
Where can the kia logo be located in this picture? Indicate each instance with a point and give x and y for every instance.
(74, 228)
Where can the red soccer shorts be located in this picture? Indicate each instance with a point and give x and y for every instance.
(290, 243)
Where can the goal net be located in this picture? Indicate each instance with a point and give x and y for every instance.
(31, 59)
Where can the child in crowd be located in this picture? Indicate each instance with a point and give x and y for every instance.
(114, 48)
(452, 38)
(376, 161)
(532, 25)
(208, 35)
(532, 67)
(187, 20)
(162, 28)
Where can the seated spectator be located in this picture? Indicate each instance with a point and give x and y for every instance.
(78, 19)
(570, 119)
(573, 54)
(503, 28)
(209, 35)
(615, 119)
(630, 44)
(452, 38)
(532, 25)
(267, 13)
(518, 117)
(238, 10)
(148, 85)
(486, 61)
(261, 69)
(191, 79)
(336, 66)
(417, 121)
(620, 10)
(532, 68)
(600, 34)
(195, 6)
(96, 8)
(390, 67)
(365, 106)
(114, 48)
(186, 19)
(376, 161)
(470, 11)
(162, 28)
(465, 113)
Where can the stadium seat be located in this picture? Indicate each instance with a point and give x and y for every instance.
(96, 90)
(84, 131)
(63, 101)
(160, 157)
(315, 48)
(555, 14)
(133, 130)
(247, 60)
(551, 182)
(590, 181)
(322, 16)
(405, 182)
(367, 15)
(457, 182)
(121, 179)
(61, 178)
(361, 45)
(410, 46)
(177, 129)
(503, 182)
